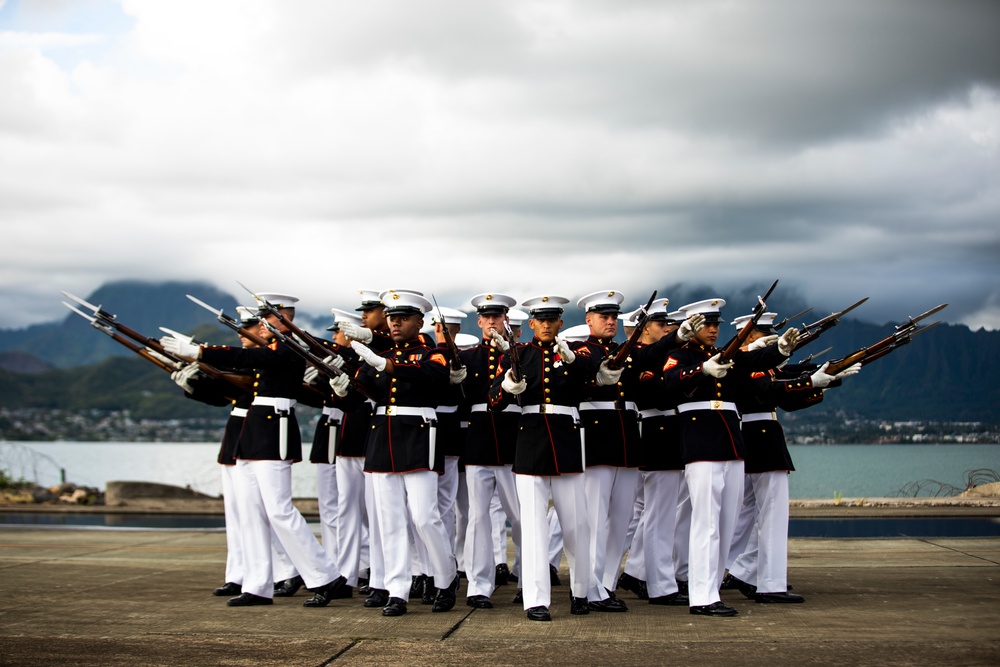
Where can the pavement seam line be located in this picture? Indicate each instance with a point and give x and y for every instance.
(457, 625)
(338, 654)
(959, 551)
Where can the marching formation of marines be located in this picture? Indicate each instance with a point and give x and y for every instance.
(664, 450)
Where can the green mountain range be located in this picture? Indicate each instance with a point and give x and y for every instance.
(946, 374)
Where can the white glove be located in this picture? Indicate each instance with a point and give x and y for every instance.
(184, 376)
(606, 376)
(457, 376)
(786, 344)
(853, 369)
(354, 332)
(690, 327)
(563, 349)
(820, 378)
(340, 384)
(166, 360)
(311, 375)
(498, 342)
(512, 387)
(714, 368)
(763, 342)
(365, 352)
(334, 360)
(180, 347)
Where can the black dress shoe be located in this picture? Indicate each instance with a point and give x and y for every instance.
(539, 614)
(518, 597)
(343, 593)
(682, 586)
(248, 600)
(396, 607)
(727, 583)
(748, 590)
(672, 600)
(228, 588)
(445, 600)
(430, 593)
(511, 578)
(288, 587)
(479, 602)
(578, 606)
(378, 597)
(363, 588)
(714, 609)
(638, 586)
(554, 576)
(417, 585)
(322, 595)
(779, 597)
(503, 574)
(610, 604)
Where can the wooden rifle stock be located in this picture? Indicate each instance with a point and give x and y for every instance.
(621, 354)
(903, 334)
(732, 347)
(811, 332)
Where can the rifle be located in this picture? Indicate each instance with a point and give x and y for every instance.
(231, 322)
(315, 344)
(778, 326)
(172, 364)
(902, 335)
(806, 365)
(732, 347)
(313, 359)
(515, 359)
(811, 332)
(109, 321)
(621, 354)
(449, 341)
(240, 381)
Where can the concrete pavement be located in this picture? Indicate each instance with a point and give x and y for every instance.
(105, 597)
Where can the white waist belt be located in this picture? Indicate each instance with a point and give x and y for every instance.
(274, 402)
(402, 411)
(706, 405)
(238, 412)
(334, 413)
(549, 409)
(481, 407)
(447, 409)
(647, 414)
(607, 405)
(760, 416)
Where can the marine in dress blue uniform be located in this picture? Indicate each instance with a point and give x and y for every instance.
(548, 456)
(712, 446)
(401, 452)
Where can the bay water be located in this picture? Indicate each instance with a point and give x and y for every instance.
(823, 471)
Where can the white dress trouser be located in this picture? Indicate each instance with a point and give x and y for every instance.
(555, 538)
(682, 534)
(448, 497)
(635, 564)
(375, 547)
(461, 521)
(412, 496)
(765, 561)
(745, 523)
(610, 504)
(326, 496)
(480, 558)
(662, 490)
(234, 545)
(569, 498)
(351, 516)
(716, 489)
(265, 488)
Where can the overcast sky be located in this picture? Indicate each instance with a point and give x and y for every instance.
(849, 148)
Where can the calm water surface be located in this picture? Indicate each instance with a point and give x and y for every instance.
(822, 471)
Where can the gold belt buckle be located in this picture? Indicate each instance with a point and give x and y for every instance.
(390, 411)
(716, 405)
(544, 408)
